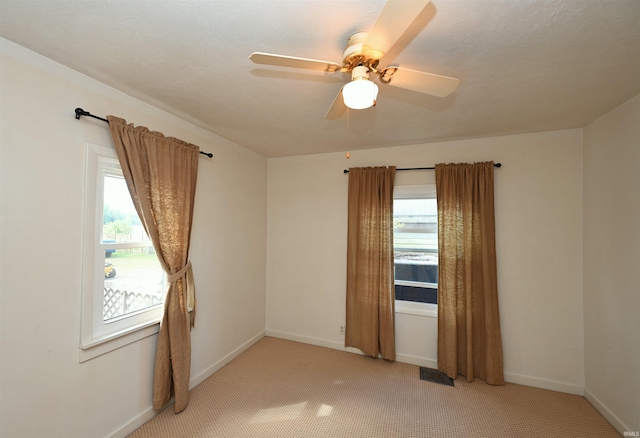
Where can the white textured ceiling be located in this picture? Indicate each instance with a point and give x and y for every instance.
(524, 65)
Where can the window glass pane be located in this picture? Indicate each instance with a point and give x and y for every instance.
(409, 270)
(133, 281)
(121, 222)
(133, 277)
(415, 243)
(415, 237)
(417, 294)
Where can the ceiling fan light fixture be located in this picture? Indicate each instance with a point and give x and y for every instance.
(361, 92)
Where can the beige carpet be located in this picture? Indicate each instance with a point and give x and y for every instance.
(280, 388)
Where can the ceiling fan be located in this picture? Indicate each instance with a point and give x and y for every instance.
(362, 56)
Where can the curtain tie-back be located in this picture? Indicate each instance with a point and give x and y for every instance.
(179, 274)
(189, 287)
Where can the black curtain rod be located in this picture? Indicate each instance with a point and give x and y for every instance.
(426, 168)
(80, 112)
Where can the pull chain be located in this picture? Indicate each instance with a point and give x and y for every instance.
(348, 155)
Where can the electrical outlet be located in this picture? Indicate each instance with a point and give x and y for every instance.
(342, 330)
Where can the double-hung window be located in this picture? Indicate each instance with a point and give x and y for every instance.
(415, 244)
(123, 283)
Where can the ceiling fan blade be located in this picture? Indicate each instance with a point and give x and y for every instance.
(394, 19)
(425, 83)
(337, 107)
(292, 61)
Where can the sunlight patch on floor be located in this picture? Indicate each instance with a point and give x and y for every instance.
(324, 411)
(281, 413)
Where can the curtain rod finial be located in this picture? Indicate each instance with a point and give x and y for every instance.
(80, 112)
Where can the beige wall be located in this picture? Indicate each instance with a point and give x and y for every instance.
(539, 243)
(45, 391)
(612, 264)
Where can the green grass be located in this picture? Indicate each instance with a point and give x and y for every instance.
(133, 259)
(131, 254)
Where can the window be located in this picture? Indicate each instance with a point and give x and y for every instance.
(123, 284)
(415, 244)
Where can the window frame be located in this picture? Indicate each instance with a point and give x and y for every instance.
(419, 191)
(96, 336)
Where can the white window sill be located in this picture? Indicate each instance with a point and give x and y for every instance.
(417, 309)
(98, 347)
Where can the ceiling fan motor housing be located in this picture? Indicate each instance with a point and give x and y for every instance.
(357, 53)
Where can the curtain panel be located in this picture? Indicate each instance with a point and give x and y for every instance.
(370, 286)
(161, 175)
(469, 337)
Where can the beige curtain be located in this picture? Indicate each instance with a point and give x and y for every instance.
(469, 340)
(370, 287)
(161, 175)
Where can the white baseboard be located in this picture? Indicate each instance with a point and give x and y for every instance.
(404, 358)
(149, 413)
(417, 360)
(318, 342)
(311, 341)
(606, 413)
(539, 382)
(519, 379)
(196, 380)
(132, 425)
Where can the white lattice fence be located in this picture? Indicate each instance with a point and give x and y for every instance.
(118, 303)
